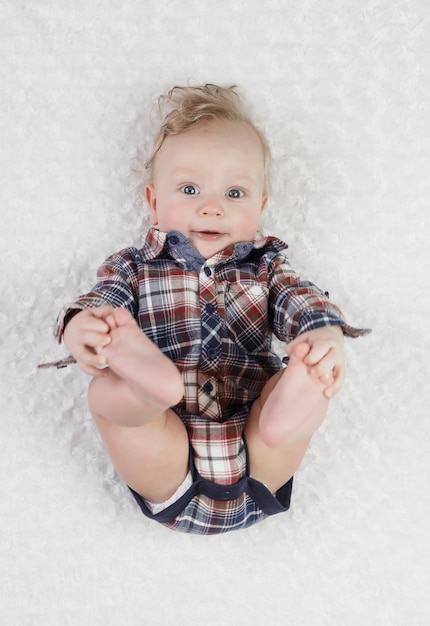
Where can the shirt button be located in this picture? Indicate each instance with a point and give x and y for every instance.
(208, 387)
(212, 352)
(210, 308)
(208, 271)
(173, 239)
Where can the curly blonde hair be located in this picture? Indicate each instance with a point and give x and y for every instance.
(184, 108)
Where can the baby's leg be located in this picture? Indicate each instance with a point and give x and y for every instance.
(296, 406)
(282, 421)
(147, 442)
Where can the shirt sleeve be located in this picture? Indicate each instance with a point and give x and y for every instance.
(298, 306)
(117, 286)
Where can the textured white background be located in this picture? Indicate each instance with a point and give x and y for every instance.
(342, 90)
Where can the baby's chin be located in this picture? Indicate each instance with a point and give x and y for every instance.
(209, 243)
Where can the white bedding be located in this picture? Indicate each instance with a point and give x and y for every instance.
(342, 91)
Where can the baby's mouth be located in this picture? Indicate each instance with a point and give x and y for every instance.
(208, 234)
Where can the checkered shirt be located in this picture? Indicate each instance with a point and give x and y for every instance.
(215, 319)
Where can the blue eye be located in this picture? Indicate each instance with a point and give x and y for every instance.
(235, 193)
(189, 190)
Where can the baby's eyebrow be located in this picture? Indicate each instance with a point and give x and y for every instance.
(183, 172)
(242, 179)
(235, 179)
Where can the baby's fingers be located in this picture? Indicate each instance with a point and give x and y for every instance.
(96, 325)
(95, 340)
(338, 379)
(94, 372)
(317, 354)
(321, 364)
(91, 363)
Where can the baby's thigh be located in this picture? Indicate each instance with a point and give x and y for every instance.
(271, 466)
(151, 459)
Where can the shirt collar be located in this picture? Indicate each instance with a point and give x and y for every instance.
(180, 248)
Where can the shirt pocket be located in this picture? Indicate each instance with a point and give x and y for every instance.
(246, 313)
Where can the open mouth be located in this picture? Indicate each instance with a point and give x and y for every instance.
(208, 234)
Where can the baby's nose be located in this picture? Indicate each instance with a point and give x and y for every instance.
(212, 206)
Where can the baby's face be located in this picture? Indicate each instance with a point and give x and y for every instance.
(208, 183)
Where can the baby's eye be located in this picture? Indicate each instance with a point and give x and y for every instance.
(189, 190)
(235, 193)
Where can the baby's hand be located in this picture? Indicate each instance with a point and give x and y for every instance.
(326, 357)
(86, 335)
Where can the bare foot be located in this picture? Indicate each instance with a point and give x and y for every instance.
(132, 356)
(296, 405)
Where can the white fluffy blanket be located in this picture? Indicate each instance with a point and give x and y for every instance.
(342, 89)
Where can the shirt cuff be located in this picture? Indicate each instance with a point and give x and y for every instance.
(64, 317)
(311, 320)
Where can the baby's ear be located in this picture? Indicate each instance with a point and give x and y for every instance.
(264, 203)
(152, 203)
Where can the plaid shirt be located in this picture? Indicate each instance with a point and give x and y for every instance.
(215, 319)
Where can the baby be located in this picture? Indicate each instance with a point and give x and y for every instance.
(199, 416)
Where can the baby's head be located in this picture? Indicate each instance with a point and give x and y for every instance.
(208, 170)
(186, 108)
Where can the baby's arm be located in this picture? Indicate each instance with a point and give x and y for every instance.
(326, 357)
(85, 335)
